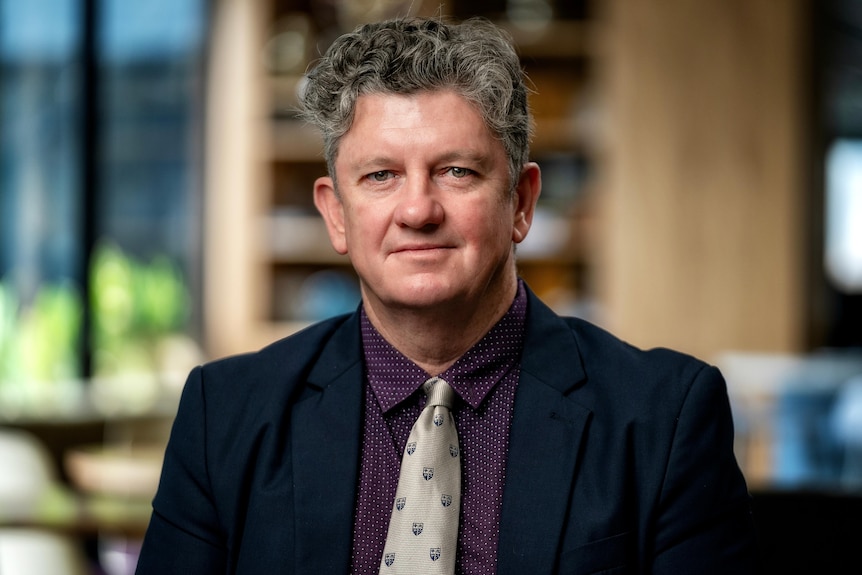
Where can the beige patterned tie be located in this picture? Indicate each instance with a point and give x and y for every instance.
(423, 527)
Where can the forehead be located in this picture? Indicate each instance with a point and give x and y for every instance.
(438, 119)
(394, 108)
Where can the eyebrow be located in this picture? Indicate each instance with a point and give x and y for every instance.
(372, 163)
(468, 155)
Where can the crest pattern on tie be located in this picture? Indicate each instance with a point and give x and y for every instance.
(423, 527)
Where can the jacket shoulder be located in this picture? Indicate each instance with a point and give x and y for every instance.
(276, 370)
(600, 345)
(623, 375)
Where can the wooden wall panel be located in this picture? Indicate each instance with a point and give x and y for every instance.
(701, 230)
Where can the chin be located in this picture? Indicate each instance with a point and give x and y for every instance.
(422, 294)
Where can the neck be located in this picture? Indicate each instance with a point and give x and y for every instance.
(435, 338)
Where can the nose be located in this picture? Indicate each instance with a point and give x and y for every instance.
(419, 205)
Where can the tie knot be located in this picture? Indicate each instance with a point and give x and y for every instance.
(438, 392)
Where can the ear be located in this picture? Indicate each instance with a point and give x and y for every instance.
(332, 209)
(526, 195)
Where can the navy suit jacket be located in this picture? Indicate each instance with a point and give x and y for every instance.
(620, 461)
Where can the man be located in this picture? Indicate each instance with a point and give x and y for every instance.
(577, 452)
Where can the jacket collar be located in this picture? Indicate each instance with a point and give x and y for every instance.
(326, 425)
(547, 433)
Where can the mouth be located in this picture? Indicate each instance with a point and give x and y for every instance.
(419, 248)
(421, 253)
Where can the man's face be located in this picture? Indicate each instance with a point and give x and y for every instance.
(424, 207)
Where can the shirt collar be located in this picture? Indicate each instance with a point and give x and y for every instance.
(393, 377)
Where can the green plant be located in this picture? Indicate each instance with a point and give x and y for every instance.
(135, 305)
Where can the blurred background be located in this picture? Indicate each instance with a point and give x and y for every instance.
(702, 166)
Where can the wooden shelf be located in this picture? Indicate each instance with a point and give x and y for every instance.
(558, 40)
(294, 141)
(298, 237)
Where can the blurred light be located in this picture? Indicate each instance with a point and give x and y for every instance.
(153, 28)
(532, 15)
(38, 29)
(843, 246)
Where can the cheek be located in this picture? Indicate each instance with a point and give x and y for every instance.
(365, 226)
(492, 224)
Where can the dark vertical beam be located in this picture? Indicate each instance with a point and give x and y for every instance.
(816, 288)
(89, 169)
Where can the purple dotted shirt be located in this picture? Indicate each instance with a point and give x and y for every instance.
(485, 379)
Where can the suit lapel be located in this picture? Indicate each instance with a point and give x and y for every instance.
(547, 432)
(326, 431)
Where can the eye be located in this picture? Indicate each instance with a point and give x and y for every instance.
(460, 172)
(379, 176)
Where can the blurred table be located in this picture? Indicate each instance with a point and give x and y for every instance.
(102, 474)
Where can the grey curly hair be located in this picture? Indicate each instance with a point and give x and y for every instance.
(408, 55)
